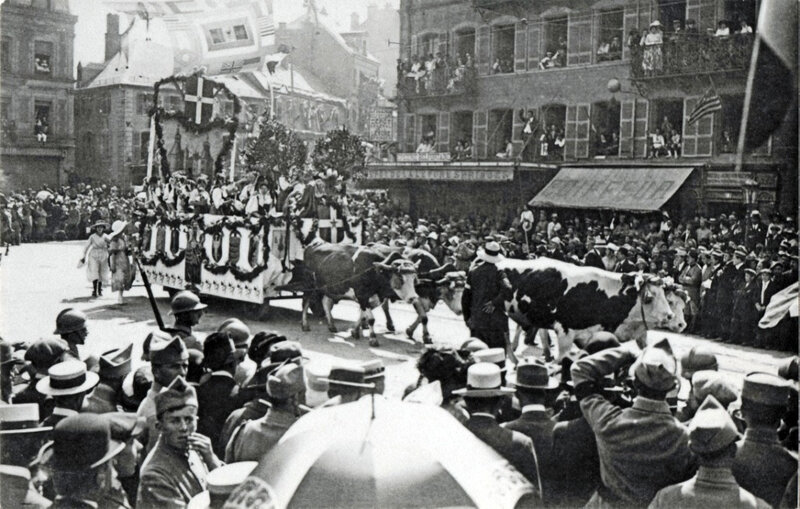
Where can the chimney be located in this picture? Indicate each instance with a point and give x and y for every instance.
(354, 21)
(113, 39)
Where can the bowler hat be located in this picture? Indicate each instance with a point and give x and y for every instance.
(70, 320)
(655, 368)
(177, 395)
(116, 363)
(766, 389)
(67, 378)
(533, 374)
(261, 344)
(285, 350)
(82, 442)
(185, 301)
(712, 428)
(788, 368)
(484, 380)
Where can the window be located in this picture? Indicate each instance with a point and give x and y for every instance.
(667, 121)
(604, 136)
(672, 10)
(730, 122)
(217, 37)
(5, 56)
(461, 134)
(240, 32)
(144, 145)
(41, 122)
(697, 137)
(741, 10)
(502, 49)
(428, 45)
(465, 45)
(143, 103)
(555, 40)
(174, 103)
(551, 141)
(42, 57)
(609, 42)
(427, 130)
(41, 4)
(500, 129)
(104, 104)
(227, 108)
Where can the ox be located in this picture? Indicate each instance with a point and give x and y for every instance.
(578, 301)
(344, 271)
(435, 283)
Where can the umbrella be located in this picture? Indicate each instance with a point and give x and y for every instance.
(43, 195)
(407, 455)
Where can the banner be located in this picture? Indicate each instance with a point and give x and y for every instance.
(381, 125)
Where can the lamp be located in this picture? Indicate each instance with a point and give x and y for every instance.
(750, 189)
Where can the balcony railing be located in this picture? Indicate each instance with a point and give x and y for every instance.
(443, 80)
(690, 55)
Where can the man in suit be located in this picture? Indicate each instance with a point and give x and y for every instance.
(763, 466)
(643, 448)
(42, 355)
(483, 300)
(483, 397)
(712, 437)
(731, 280)
(532, 383)
(765, 289)
(691, 277)
(218, 394)
(594, 258)
(68, 383)
(624, 265)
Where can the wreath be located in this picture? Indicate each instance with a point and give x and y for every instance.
(342, 152)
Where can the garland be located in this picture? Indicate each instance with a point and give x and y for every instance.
(162, 257)
(230, 124)
(345, 223)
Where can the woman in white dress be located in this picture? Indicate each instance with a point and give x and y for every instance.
(120, 261)
(97, 269)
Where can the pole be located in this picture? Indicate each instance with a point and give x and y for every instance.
(150, 296)
(150, 147)
(233, 158)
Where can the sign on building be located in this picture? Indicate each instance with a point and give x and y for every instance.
(381, 125)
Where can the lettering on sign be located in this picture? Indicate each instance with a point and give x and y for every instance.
(466, 174)
(381, 125)
(417, 157)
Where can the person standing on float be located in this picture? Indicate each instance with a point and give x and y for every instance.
(97, 269)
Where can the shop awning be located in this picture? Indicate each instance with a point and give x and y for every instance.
(633, 189)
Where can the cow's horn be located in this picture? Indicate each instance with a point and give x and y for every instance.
(381, 266)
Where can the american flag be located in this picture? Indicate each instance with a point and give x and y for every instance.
(709, 103)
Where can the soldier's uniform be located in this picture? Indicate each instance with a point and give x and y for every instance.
(643, 448)
(114, 366)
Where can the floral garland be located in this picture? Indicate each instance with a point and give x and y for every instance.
(162, 257)
(231, 124)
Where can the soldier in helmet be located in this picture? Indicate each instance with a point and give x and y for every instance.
(71, 326)
(187, 309)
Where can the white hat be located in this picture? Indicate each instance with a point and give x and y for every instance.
(490, 253)
(484, 381)
(117, 227)
(67, 378)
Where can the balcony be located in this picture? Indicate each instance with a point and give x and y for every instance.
(690, 55)
(444, 80)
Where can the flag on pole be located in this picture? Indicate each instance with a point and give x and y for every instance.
(772, 80)
(709, 103)
(782, 303)
(199, 99)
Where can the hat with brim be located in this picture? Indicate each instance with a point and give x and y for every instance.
(657, 23)
(533, 375)
(19, 419)
(99, 223)
(221, 483)
(118, 227)
(79, 442)
(484, 380)
(490, 253)
(67, 378)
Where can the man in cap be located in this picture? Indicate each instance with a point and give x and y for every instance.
(763, 467)
(68, 383)
(187, 309)
(169, 359)
(712, 437)
(21, 437)
(698, 358)
(218, 394)
(533, 382)
(347, 383)
(691, 277)
(71, 326)
(17, 490)
(114, 367)
(703, 384)
(256, 438)
(240, 334)
(731, 281)
(41, 356)
(82, 468)
(483, 300)
(177, 467)
(483, 396)
(756, 232)
(643, 448)
(594, 258)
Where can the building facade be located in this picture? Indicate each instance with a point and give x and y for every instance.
(575, 83)
(36, 102)
(382, 30)
(112, 122)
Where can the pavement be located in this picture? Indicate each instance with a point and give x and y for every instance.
(37, 281)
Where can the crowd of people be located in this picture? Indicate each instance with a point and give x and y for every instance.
(434, 74)
(188, 425)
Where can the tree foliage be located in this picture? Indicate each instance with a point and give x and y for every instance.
(340, 151)
(274, 150)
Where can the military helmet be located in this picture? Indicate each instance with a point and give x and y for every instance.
(70, 320)
(186, 301)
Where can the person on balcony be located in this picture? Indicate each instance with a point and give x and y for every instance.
(657, 144)
(508, 152)
(722, 29)
(691, 27)
(674, 144)
(547, 62)
(652, 61)
(744, 27)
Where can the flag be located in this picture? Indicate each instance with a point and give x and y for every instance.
(198, 99)
(707, 104)
(782, 303)
(771, 82)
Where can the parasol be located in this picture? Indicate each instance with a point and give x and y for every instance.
(43, 195)
(407, 455)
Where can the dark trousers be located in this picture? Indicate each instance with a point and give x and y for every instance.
(492, 337)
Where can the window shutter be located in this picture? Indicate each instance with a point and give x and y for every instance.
(626, 125)
(641, 115)
(697, 138)
(414, 46)
(483, 49)
(517, 136)
(409, 132)
(417, 138)
(631, 22)
(703, 12)
(534, 35)
(520, 45)
(444, 45)
(579, 39)
(571, 130)
(647, 13)
(479, 121)
(443, 132)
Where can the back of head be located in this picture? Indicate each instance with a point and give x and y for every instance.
(218, 351)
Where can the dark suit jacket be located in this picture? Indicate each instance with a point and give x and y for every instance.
(217, 398)
(594, 260)
(485, 283)
(512, 445)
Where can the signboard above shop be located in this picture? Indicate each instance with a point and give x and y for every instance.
(381, 124)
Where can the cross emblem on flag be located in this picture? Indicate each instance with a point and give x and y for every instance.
(199, 99)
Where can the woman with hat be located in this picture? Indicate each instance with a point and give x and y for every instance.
(97, 270)
(120, 263)
(652, 60)
(744, 320)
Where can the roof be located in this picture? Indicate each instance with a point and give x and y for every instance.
(330, 26)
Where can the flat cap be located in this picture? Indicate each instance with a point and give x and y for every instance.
(713, 383)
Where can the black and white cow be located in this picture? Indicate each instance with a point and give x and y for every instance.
(577, 301)
(345, 271)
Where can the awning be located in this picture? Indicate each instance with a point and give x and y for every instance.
(633, 189)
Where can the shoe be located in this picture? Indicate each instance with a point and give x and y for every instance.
(100, 289)
(94, 288)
